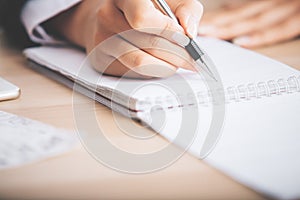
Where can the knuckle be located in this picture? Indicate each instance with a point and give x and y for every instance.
(138, 21)
(168, 27)
(137, 59)
(104, 17)
(154, 41)
(102, 12)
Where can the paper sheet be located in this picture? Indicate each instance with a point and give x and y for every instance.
(24, 141)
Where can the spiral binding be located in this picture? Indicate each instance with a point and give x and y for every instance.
(232, 94)
(263, 89)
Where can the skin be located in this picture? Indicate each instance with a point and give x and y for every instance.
(92, 22)
(255, 23)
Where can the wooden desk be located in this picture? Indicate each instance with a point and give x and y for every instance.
(77, 175)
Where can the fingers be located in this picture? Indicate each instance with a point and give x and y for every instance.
(147, 65)
(142, 15)
(228, 23)
(277, 33)
(234, 14)
(255, 19)
(152, 55)
(189, 13)
(150, 50)
(160, 48)
(255, 23)
(116, 55)
(115, 68)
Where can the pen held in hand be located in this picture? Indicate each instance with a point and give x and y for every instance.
(192, 47)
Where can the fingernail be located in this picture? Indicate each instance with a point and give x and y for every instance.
(180, 39)
(156, 71)
(241, 41)
(207, 29)
(192, 28)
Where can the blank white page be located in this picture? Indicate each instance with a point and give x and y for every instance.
(260, 145)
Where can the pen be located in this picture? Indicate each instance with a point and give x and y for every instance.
(192, 47)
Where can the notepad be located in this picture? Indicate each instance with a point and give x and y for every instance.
(260, 139)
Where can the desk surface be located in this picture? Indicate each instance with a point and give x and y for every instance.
(78, 175)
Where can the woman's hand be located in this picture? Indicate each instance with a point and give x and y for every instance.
(255, 23)
(149, 50)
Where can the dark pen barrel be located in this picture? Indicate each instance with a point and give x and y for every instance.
(194, 50)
